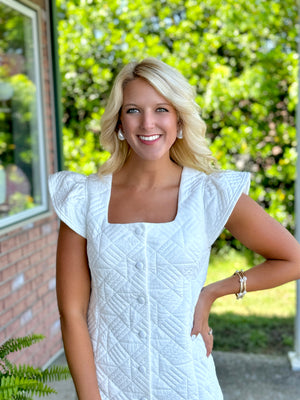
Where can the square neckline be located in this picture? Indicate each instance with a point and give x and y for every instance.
(180, 192)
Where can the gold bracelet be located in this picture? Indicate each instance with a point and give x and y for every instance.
(243, 284)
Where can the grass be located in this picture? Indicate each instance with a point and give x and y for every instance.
(262, 322)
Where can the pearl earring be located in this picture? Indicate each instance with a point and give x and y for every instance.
(120, 135)
(180, 134)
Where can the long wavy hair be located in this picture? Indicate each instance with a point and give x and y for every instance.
(191, 151)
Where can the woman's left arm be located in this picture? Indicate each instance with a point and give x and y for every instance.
(253, 227)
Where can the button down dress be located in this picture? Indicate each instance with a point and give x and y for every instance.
(145, 282)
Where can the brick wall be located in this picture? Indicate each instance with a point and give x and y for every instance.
(27, 254)
(28, 288)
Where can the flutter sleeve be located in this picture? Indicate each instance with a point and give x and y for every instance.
(68, 194)
(221, 193)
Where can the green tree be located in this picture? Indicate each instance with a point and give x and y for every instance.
(240, 56)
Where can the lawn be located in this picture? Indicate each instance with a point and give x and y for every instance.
(262, 322)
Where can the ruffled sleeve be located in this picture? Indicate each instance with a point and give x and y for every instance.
(221, 193)
(68, 194)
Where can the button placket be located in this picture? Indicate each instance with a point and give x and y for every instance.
(142, 300)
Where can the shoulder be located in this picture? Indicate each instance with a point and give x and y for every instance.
(68, 194)
(69, 180)
(217, 180)
(230, 180)
(66, 179)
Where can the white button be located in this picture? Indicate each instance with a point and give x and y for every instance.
(142, 369)
(141, 299)
(139, 265)
(142, 334)
(138, 231)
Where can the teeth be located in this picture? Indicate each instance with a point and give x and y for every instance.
(149, 138)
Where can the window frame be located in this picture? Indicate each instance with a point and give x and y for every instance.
(34, 14)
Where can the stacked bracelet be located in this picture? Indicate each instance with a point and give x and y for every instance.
(243, 280)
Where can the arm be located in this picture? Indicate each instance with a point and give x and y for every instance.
(73, 293)
(253, 227)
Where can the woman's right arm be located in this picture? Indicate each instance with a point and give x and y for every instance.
(73, 293)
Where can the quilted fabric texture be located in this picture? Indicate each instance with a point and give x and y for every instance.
(146, 279)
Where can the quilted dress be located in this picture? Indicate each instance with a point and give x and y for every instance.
(146, 279)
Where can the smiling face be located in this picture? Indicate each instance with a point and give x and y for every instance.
(148, 121)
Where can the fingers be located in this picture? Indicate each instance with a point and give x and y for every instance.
(209, 342)
(208, 339)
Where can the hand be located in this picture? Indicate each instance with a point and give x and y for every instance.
(200, 325)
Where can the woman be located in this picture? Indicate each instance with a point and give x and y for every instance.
(134, 245)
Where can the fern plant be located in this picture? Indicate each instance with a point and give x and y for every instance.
(21, 382)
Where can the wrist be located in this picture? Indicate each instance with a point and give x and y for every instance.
(235, 284)
(209, 293)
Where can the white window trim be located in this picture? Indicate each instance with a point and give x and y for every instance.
(26, 214)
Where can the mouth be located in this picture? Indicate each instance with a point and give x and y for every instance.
(149, 139)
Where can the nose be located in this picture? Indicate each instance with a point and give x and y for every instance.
(148, 120)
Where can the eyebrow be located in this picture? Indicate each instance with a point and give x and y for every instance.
(136, 105)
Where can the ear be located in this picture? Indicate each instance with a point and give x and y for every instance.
(179, 124)
(118, 125)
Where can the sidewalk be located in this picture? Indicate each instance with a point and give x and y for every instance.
(241, 376)
(256, 377)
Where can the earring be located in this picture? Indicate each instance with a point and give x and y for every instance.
(180, 134)
(120, 135)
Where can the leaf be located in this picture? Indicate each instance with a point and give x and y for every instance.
(15, 344)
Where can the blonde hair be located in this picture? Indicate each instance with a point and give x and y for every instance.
(191, 151)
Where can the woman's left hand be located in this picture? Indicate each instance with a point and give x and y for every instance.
(201, 315)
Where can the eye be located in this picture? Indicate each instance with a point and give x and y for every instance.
(162, 109)
(132, 110)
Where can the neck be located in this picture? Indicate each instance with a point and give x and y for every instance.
(148, 174)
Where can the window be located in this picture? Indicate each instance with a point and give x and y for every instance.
(23, 191)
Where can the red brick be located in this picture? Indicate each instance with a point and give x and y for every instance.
(30, 273)
(42, 290)
(5, 290)
(34, 233)
(35, 258)
(31, 299)
(8, 244)
(22, 292)
(13, 328)
(5, 317)
(37, 307)
(22, 264)
(22, 238)
(9, 272)
(19, 309)
(15, 255)
(28, 248)
(3, 260)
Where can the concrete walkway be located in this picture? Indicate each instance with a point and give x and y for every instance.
(241, 376)
(256, 377)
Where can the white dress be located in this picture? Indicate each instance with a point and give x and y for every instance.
(146, 279)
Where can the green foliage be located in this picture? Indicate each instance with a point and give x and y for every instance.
(252, 333)
(240, 56)
(24, 381)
